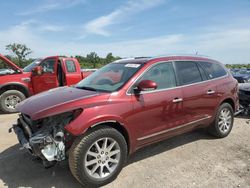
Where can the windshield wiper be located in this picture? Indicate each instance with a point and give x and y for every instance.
(87, 88)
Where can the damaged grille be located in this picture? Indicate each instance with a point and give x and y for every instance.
(46, 137)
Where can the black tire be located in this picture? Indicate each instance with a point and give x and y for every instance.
(81, 146)
(18, 96)
(215, 129)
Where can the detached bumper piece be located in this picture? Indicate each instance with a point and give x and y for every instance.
(46, 143)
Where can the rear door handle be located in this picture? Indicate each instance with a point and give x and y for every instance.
(209, 92)
(176, 100)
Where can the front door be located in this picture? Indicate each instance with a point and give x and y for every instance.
(158, 110)
(48, 79)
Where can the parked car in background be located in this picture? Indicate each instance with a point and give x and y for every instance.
(242, 76)
(244, 97)
(234, 71)
(6, 71)
(16, 84)
(122, 107)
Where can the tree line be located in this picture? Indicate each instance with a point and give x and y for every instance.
(92, 60)
(19, 53)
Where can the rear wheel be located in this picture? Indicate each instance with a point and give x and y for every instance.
(97, 158)
(223, 123)
(9, 100)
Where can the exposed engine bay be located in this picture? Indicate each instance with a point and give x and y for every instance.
(46, 138)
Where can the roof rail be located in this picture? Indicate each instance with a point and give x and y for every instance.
(192, 55)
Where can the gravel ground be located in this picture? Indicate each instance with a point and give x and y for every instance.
(190, 160)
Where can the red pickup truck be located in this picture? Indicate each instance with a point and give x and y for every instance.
(51, 72)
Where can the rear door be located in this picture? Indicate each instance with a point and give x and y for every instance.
(199, 93)
(48, 79)
(73, 71)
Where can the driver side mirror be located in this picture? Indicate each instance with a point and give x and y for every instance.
(38, 70)
(146, 85)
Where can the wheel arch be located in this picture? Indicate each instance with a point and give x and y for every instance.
(229, 101)
(116, 125)
(15, 86)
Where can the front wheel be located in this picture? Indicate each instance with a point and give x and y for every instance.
(9, 100)
(97, 158)
(223, 123)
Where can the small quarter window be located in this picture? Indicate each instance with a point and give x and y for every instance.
(213, 70)
(70, 65)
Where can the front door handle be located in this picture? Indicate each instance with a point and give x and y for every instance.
(176, 100)
(209, 92)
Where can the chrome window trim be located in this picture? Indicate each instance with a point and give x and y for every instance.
(159, 90)
(171, 129)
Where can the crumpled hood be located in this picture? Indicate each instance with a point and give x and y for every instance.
(55, 101)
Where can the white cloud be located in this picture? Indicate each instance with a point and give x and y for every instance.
(228, 45)
(99, 25)
(50, 5)
(51, 28)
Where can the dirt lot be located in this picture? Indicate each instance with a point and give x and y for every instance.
(191, 160)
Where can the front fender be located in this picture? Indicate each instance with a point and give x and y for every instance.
(80, 125)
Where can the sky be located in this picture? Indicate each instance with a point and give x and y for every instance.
(219, 29)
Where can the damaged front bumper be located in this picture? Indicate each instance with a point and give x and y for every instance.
(47, 143)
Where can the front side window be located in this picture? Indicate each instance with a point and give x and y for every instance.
(110, 78)
(48, 65)
(188, 72)
(162, 74)
(213, 70)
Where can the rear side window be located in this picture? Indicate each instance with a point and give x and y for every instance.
(70, 66)
(213, 70)
(188, 72)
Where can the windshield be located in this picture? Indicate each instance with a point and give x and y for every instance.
(110, 77)
(29, 67)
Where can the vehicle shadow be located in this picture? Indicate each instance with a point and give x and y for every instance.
(20, 169)
(169, 144)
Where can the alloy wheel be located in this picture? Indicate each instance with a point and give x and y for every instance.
(225, 120)
(102, 158)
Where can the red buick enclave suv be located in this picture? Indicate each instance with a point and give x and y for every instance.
(124, 106)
